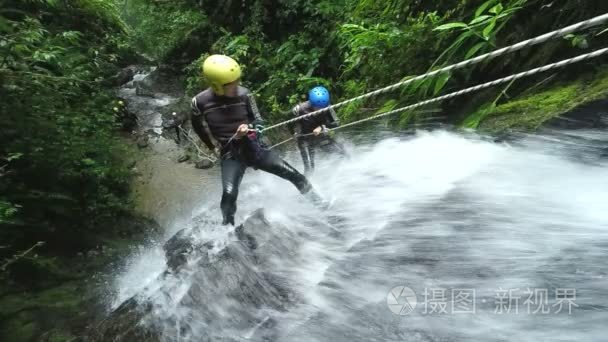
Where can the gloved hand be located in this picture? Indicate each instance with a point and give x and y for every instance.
(258, 127)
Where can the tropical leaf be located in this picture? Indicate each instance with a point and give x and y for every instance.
(487, 32)
(441, 82)
(496, 9)
(480, 20)
(472, 51)
(450, 26)
(483, 7)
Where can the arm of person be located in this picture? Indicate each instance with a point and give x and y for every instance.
(199, 124)
(331, 119)
(295, 128)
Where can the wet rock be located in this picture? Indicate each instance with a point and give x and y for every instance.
(123, 76)
(129, 85)
(183, 158)
(204, 164)
(125, 325)
(143, 141)
(173, 119)
(184, 245)
(142, 88)
(237, 278)
(590, 115)
(163, 79)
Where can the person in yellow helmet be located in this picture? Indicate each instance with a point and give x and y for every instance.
(226, 118)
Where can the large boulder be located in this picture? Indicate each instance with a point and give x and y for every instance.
(163, 79)
(213, 289)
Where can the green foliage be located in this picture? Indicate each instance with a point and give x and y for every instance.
(578, 40)
(406, 45)
(476, 37)
(62, 164)
(158, 28)
(479, 34)
(195, 82)
(352, 46)
(7, 211)
(20, 313)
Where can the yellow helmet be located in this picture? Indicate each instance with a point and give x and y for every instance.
(220, 70)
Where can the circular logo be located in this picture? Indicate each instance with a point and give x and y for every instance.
(401, 300)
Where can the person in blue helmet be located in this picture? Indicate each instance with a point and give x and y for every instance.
(312, 132)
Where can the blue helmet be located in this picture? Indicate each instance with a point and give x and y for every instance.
(319, 97)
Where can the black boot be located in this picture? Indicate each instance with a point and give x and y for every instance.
(317, 200)
(228, 219)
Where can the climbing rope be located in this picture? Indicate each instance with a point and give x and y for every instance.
(200, 151)
(526, 43)
(560, 64)
(297, 136)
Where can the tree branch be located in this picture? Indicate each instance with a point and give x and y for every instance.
(19, 256)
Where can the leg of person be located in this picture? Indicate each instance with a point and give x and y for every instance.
(232, 174)
(311, 153)
(332, 146)
(272, 163)
(304, 147)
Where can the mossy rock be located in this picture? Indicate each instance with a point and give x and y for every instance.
(59, 336)
(21, 327)
(530, 112)
(41, 272)
(68, 297)
(61, 302)
(47, 315)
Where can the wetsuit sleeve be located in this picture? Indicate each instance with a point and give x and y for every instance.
(294, 127)
(199, 125)
(331, 119)
(255, 118)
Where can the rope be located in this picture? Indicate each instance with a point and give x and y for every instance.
(327, 130)
(526, 43)
(189, 137)
(290, 139)
(547, 67)
(324, 132)
(483, 86)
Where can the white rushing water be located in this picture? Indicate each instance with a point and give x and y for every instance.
(489, 238)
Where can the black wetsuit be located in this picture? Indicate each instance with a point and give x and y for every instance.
(308, 143)
(215, 119)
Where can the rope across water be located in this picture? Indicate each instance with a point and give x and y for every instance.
(560, 64)
(537, 40)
